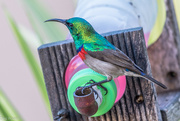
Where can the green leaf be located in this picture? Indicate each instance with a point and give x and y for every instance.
(8, 112)
(35, 28)
(37, 15)
(30, 37)
(33, 64)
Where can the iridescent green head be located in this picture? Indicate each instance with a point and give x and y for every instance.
(78, 27)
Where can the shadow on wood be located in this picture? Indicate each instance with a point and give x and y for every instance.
(55, 57)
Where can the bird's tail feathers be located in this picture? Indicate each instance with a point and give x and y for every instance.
(154, 81)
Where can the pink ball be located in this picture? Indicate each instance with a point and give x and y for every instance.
(121, 86)
(74, 66)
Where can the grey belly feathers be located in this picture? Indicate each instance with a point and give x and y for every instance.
(104, 68)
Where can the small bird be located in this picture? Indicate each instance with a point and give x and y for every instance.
(99, 54)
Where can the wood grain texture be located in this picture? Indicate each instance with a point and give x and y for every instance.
(170, 105)
(55, 57)
(164, 54)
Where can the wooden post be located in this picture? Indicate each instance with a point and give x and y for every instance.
(55, 57)
(170, 105)
(164, 57)
(164, 54)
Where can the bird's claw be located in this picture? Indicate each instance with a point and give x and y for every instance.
(101, 86)
(93, 83)
(86, 87)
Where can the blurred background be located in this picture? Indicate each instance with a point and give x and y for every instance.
(17, 80)
(22, 92)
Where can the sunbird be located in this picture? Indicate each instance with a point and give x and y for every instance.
(99, 54)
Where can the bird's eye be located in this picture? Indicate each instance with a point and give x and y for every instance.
(69, 24)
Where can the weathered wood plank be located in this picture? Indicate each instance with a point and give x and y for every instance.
(128, 94)
(145, 88)
(170, 105)
(123, 100)
(50, 85)
(56, 56)
(133, 85)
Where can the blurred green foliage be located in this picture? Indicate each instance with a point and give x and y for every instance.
(29, 41)
(7, 112)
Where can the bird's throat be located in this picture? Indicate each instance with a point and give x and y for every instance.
(82, 53)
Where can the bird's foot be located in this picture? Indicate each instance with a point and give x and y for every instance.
(93, 83)
(83, 89)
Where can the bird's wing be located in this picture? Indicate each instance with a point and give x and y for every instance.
(116, 57)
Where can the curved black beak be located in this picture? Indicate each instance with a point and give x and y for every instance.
(63, 21)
